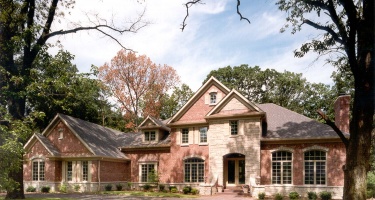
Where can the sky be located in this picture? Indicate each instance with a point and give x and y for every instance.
(213, 38)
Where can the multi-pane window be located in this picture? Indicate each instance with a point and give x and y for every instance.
(85, 170)
(69, 171)
(315, 167)
(38, 170)
(150, 136)
(194, 170)
(233, 127)
(185, 135)
(281, 167)
(203, 135)
(213, 98)
(146, 170)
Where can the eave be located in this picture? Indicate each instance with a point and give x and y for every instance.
(236, 115)
(300, 140)
(145, 148)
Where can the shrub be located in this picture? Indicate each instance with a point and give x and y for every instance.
(278, 196)
(312, 195)
(261, 195)
(146, 187)
(129, 185)
(186, 189)
(293, 195)
(108, 187)
(77, 187)
(174, 190)
(370, 184)
(45, 189)
(161, 187)
(325, 195)
(172, 187)
(63, 188)
(30, 189)
(194, 191)
(118, 187)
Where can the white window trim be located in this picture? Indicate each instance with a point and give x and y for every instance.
(199, 135)
(282, 149)
(204, 167)
(216, 98)
(146, 163)
(326, 172)
(188, 142)
(38, 160)
(156, 136)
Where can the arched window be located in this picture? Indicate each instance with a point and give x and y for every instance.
(38, 170)
(315, 167)
(281, 167)
(194, 170)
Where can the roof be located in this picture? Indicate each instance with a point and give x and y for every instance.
(135, 141)
(286, 124)
(157, 124)
(47, 144)
(102, 141)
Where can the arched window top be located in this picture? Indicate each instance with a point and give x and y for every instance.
(315, 147)
(281, 155)
(194, 160)
(194, 157)
(283, 148)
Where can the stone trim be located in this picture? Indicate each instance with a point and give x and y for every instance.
(282, 148)
(315, 147)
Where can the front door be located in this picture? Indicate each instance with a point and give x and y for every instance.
(235, 171)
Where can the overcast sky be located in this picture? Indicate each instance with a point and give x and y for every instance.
(213, 38)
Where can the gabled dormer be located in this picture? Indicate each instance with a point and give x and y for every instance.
(153, 130)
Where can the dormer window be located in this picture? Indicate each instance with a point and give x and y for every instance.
(150, 135)
(213, 99)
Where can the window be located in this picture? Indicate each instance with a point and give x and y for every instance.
(69, 171)
(281, 167)
(233, 127)
(185, 136)
(315, 167)
(213, 98)
(85, 171)
(146, 170)
(203, 135)
(150, 136)
(194, 170)
(38, 170)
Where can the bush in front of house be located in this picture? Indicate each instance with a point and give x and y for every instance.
(31, 189)
(312, 195)
(161, 187)
(77, 188)
(325, 195)
(174, 190)
(261, 195)
(278, 196)
(293, 195)
(186, 190)
(63, 188)
(129, 185)
(108, 187)
(45, 189)
(118, 187)
(147, 187)
(194, 191)
(172, 187)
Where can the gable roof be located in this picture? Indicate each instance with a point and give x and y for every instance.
(252, 109)
(286, 124)
(99, 140)
(134, 141)
(47, 144)
(197, 95)
(157, 124)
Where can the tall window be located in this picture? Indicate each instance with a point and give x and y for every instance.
(203, 135)
(146, 170)
(315, 167)
(281, 167)
(85, 170)
(213, 98)
(150, 136)
(38, 170)
(233, 127)
(69, 171)
(185, 136)
(194, 170)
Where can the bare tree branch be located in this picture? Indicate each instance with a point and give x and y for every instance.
(188, 5)
(334, 127)
(239, 13)
(334, 35)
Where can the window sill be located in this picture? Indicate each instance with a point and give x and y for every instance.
(203, 144)
(234, 136)
(184, 145)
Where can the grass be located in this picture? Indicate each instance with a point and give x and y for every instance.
(149, 194)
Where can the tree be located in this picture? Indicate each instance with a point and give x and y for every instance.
(347, 28)
(174, 102)
(25, 28)
(137, 84)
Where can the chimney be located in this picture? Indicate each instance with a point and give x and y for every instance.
(342, 109)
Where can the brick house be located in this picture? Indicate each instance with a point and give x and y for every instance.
(218, 138)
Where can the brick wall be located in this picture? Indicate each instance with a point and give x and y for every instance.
(113, 171)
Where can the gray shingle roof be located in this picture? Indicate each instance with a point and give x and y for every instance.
(135, 140)
(286, 124)
(101, 140)
(48, 144)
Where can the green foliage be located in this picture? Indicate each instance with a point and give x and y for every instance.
(174, 190)
(108, 187)
(77, 187)
(312, 195)
(63, 188)
(194, 191)
(325, 195)
(172, 187)
(153, 177)
(174, 102)
(370, 193)
(119, 187)
(293, 195)
(161, 187)
(279, 196)
(261, 195)
(186, 189)
(129, 184)
(45, 189)
(30, 189)
(147, 187)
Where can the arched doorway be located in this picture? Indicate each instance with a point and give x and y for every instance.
(234, 169)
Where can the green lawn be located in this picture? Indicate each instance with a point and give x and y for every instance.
(150, 194)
